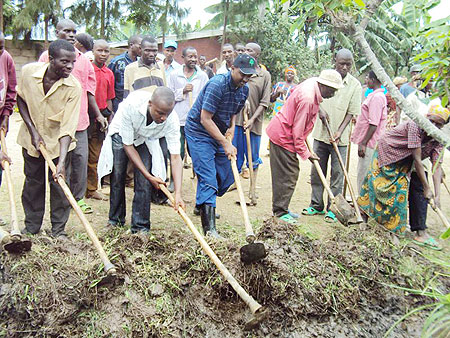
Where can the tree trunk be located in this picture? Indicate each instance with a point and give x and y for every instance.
(164, 24)
(1, 15)
(224, 33)
(421, 120)
(46, 19)
(102, 19)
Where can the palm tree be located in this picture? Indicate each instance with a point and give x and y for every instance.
(231, 12)
(170, 15)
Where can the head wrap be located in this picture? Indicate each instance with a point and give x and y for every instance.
(438, 110)
(399, 80)
(290, 69)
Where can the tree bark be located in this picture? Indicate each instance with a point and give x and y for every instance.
(1, 15)
(360, 39)
(46, 19)
(102, 19)
(224, 33)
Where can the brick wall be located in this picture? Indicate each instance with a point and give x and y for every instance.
(210, 47)
(24, 52)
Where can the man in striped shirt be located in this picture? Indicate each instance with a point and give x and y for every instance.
(145, 73)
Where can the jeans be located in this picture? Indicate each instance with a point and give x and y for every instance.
(240, 142)
(140, 216)
(326, 151)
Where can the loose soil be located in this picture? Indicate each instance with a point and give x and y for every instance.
(319, 280)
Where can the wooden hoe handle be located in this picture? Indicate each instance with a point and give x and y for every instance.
(249, 300)
(249, 153)
(347, 178)
(320, 173)
(15, 231)
(108, 266)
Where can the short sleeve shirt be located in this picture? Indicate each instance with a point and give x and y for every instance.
(54, 114)
(105, 86)
(221, 98)
(345, 101)
(399, 143)
(84, 73)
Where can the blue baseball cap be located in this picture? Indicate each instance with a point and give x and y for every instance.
(170, 43)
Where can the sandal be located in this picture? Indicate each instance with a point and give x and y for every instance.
(87, 209)
(330, 217)
(429, 243)
(293, 214)
(310, 211)
(288, 219)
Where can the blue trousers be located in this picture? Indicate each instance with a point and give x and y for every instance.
(240, 142)
(212, 167)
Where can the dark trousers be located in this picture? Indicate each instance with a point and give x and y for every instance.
(183, 142)
(285, 169)
(418, 205)
(79, 165)
(140, 216)
(33, 195)
(325, 152)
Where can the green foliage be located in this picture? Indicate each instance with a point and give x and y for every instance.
(279, 47)
(88, 13)
(32, 12)
(239, 11)
(435, 58)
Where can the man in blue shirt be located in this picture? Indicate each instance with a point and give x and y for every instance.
(209, 122)
(118, 64)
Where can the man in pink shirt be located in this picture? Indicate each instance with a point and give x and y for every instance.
(288, 131)
(369, 125)
(84, 73)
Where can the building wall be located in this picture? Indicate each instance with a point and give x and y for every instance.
(210, 47)
(24, 52)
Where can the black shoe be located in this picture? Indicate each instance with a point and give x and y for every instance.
(208, 216)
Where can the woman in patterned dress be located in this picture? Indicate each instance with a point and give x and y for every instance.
(384, 192)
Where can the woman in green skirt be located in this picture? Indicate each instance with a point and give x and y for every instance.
(384, 192)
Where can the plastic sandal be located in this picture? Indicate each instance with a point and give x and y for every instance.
(87, 209)
(429, 243)
(288, 219)
(330, 217)
(310, 211)
(293, 214)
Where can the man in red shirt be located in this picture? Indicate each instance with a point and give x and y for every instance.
(288, 131)
(104, 94)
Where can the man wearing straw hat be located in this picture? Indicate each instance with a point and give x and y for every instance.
(288, 131)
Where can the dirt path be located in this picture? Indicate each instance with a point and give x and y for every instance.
(230, 223)
(319, 280)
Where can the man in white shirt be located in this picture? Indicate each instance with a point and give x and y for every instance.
(228, 56)
(170, 48)
(186, 82)
(141, 120)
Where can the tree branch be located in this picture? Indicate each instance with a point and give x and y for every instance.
(360, 39)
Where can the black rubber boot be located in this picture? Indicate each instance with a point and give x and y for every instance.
(208, 217)
(197, 211)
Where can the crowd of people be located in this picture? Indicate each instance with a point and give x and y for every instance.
(133, 120)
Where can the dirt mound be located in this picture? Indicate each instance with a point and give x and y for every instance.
(166, 286)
